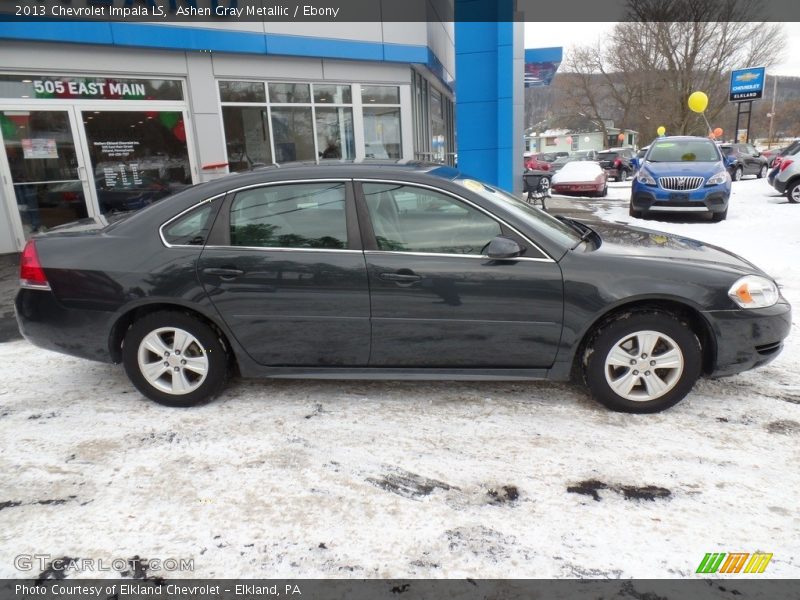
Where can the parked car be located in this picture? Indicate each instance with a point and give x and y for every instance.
(790, 149)
(581, 177)
(617, 162)
(559, 163)
(771, 153)
(392, 271)
(744, 159)
(682, 174)
(538, 162)
(786, 176)
(637, 160)
(584, 154)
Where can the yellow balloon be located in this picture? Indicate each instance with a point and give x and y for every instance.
(698, 102)
(661, 130)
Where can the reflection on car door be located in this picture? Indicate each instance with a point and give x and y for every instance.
(437, 301)
(285, 270)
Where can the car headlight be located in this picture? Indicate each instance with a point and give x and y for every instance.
(720, 178)
(645, 177)
(753, 291)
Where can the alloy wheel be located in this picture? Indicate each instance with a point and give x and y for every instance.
(172, 360)
(644, 365)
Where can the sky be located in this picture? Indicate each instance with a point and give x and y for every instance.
(566, 35)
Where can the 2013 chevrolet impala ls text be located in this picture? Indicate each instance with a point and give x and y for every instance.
(379, 271)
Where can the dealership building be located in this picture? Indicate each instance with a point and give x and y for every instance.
(100, 117)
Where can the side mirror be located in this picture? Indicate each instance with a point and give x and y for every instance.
(503, 247)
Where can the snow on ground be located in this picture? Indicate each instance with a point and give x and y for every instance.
(412, 479)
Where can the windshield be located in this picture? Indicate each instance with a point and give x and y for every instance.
(566, 235)
(683, 151)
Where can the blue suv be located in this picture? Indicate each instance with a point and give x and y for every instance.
(682, 174)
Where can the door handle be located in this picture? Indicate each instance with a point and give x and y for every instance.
(224, 274)
(400, 277)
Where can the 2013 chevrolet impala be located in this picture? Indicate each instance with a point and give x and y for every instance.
(367, 271)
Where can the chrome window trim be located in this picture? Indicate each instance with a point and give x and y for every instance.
(447, 255)
(283, 249)
(547, 258)
(178, 216)
(233, 191)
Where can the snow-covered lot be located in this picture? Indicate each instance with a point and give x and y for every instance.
(413, 479)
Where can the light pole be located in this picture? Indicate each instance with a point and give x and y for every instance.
(771, 115)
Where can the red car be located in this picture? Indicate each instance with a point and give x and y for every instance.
(537, 162)
(585, 178)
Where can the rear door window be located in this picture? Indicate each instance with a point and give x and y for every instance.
(300, 215)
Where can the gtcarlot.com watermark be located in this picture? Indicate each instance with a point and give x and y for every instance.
(46, 562)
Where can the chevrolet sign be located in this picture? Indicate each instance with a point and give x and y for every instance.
(747, 84)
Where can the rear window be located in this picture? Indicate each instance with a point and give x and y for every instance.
(683, 151)
(190, 229)
(608, 155)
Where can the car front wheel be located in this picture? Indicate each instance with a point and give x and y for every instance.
(642, 362)
(175, 359)
(737, 174)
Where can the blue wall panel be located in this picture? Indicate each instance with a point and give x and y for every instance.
(484, 98)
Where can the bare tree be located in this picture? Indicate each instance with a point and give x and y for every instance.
(664, 52)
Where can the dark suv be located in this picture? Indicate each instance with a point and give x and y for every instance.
(617, 162)
(744, 159)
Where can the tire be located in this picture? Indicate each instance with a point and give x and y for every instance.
(623, 175)
(737, 174)
(175, 384)
(793, 192)
(762, 172)
(719, 216)
(616, 383)
(636, 214)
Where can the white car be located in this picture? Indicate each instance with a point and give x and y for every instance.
(582, 178)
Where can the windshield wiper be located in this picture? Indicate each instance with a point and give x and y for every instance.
(583, 230)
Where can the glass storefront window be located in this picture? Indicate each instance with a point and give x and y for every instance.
(380, 94)
(138, 157)
(293, 133)
(246, 136)
(88, 88)
(289, 93)
(382, 132)
(332, 94)
(335, 136)
(40, 148)
(242, 91)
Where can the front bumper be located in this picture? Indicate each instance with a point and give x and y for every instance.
(577, 188)
(47, 323)
(746, 339)
(714, 199)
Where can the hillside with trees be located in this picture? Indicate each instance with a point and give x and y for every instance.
(641, 75)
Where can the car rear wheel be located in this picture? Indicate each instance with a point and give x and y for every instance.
(175, 359)
(762, 172)
(719, 216)
(642, 362)
(793, 193)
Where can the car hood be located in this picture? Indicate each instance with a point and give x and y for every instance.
(640, 243)
(676, 169)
